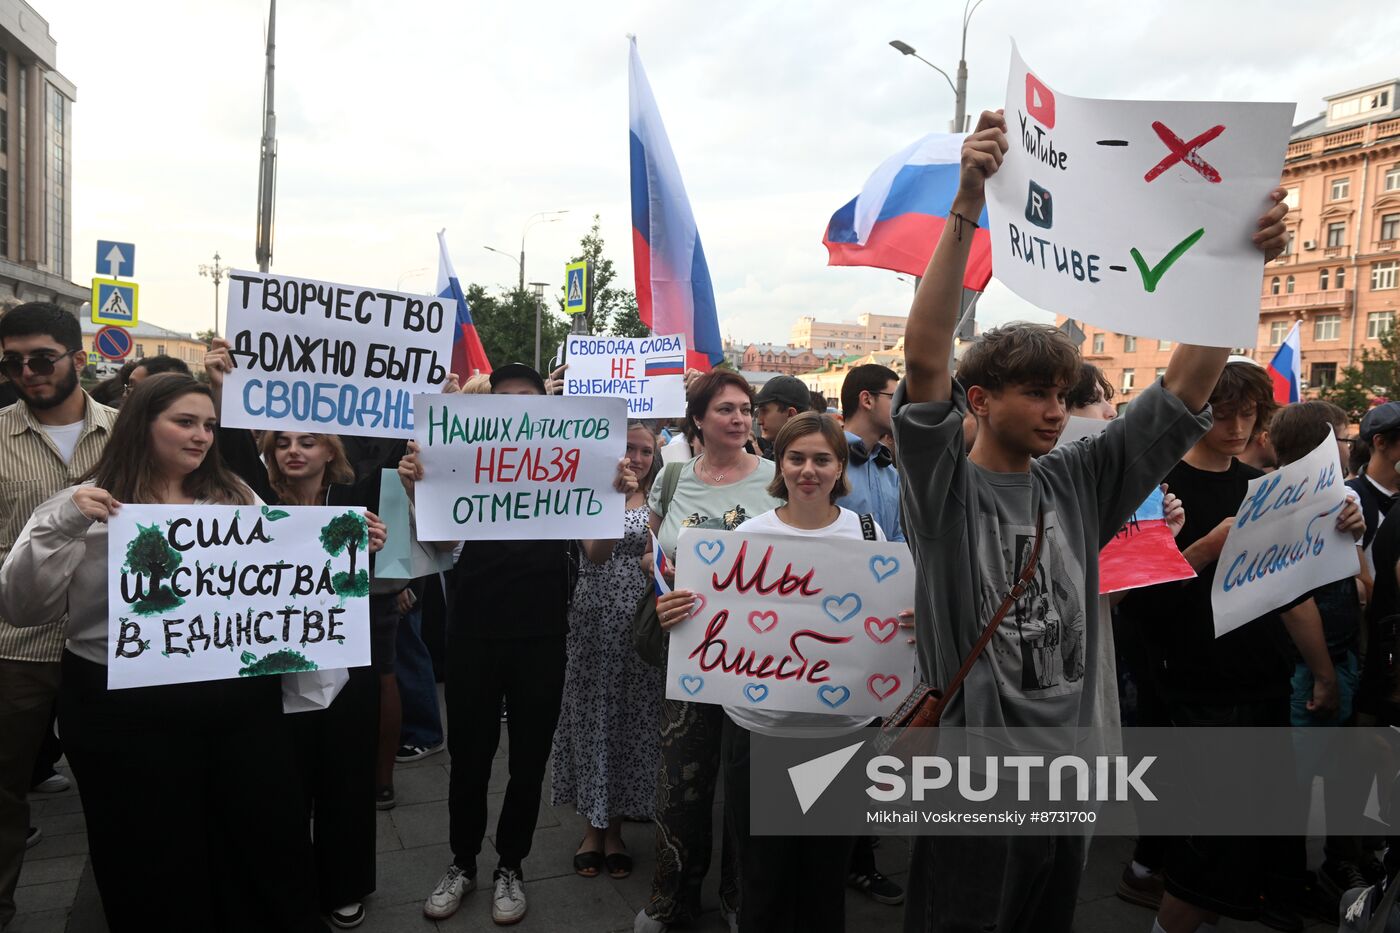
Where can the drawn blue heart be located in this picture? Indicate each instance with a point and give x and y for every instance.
(882, 567)
(833, 696)
(709, 551)
(841, 608)
(756, 693)
(691, 684)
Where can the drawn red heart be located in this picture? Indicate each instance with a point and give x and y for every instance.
(755, 618)
(882, 685)
(881, 630)
(697, 606)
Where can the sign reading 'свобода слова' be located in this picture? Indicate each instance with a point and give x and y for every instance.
(213, 592)
(320, 357)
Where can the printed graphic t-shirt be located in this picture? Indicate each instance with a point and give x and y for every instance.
(789, 722)
(971, 531)
(699, 505)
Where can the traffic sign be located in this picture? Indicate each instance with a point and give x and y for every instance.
(114, 343)
(117, 260)
(114, 302)
(576, 288)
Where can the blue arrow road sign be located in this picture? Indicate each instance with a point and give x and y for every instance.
(116, 260)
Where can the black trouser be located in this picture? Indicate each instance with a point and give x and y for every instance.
(190, 796)
(786, 883)
(528, 673)
(336, 752)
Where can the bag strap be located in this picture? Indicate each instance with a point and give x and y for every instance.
(670, 478)
(985, 638)
(867, 527)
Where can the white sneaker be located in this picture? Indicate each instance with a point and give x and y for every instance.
(646, 923)
(448, 894)
(53, 784)
(508, 901)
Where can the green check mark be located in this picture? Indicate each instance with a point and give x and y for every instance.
(1150, 277)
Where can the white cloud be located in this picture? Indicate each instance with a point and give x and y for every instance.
(397, 120)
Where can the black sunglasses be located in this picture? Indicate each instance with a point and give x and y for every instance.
(13, 366)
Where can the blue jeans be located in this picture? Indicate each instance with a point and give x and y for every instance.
(422, 721)
(1348, 678)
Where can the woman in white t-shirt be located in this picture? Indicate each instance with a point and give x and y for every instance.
(789, 883)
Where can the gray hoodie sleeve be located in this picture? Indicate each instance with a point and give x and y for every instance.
(34, 579)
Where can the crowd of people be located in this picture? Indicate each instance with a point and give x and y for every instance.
(266, 821)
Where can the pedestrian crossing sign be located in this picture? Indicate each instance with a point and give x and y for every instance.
(576, 287)
(114, 302)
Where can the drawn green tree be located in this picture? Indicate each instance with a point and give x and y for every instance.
(150, 555)
(348, 532)
(284, 661)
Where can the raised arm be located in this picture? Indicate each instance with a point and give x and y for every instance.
(1192, 372)
(928, 337)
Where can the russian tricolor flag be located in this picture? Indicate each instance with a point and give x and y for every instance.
(468, 355)
(896, 220)
(1286, 369)
(659, 568)
(674, 294)
(666, 366)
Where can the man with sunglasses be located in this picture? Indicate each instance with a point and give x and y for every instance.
(50, 437)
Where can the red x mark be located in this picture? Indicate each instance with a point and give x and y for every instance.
(1185, 152)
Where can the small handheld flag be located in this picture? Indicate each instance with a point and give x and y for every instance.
(1286, 368)
(659, 568)
(468, 355)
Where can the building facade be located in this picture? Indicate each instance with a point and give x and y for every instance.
(36, 184)
(870, 333)
(1339, 277)
(789, 360)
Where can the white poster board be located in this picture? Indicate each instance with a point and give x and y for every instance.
(649, 372)
(1284, 541)
(325, 358)
(213, 592)
(511, 467)
(792, 623)
(1136, 216)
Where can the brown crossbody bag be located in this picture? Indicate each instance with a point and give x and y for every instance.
(924, 705)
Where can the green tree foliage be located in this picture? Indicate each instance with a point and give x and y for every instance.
(614, 308)
(1350, 393)
(506, 325)
(347, 532)
(1376, 379)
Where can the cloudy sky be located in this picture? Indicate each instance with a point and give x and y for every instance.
(396, 120)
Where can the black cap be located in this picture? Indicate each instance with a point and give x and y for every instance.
(787, 391)
(517, 371)
(1380, 420)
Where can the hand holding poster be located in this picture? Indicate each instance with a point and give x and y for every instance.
(512, 467)
(214, 592)
(792, 623)
(1284, 541)
(1136, 215)
(314, 356)
(647, 371)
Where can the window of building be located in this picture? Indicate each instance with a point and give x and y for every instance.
(1392, 178)
(1379, 323)
(1288, 285)
(1161, 371)
(1341, 277)
(1327, 327)
(1164, 345)
(1129, 345)
(1390, 227)
(1383, 275)
(1341, 187)
(1337, 234)
(1287, 245)
(140, 350)
(1277, 331)
(1358, 105)
(4, 72)
(160, 349)
(1098, 343)
(1290, 197)
(1322, 280)
(1127, 380)
(4, 130)
(1274, 286)
(1323, 375)
(4, 207)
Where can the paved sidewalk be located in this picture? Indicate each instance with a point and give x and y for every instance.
(57, 893)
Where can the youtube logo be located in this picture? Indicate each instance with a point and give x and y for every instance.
(1040, 102)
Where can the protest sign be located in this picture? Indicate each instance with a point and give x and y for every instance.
(511, 467)
(792, 623)
(1284, 541)
(213, 592)
(314, 356)
(1144, 551)
(647, 371)
(403, 557)
(1136, 216)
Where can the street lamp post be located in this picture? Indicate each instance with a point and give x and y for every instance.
(546, 217)
(959, 89)
(539, 288)
(217, 273)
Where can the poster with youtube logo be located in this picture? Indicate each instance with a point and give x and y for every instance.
(1136, 216)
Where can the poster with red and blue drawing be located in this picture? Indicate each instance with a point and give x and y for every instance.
(1143, 553)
